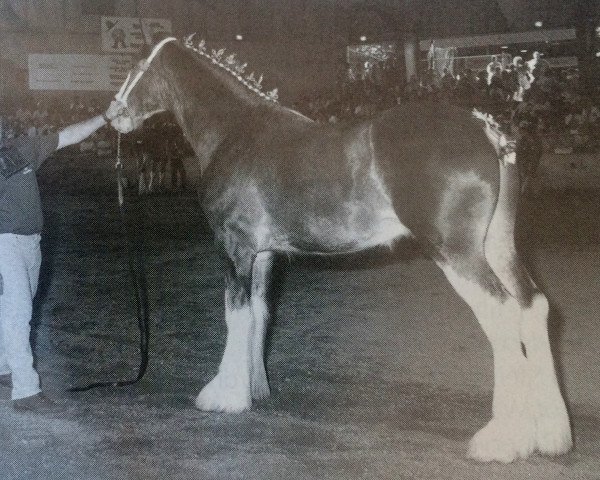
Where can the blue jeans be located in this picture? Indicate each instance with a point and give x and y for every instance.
(20, 260)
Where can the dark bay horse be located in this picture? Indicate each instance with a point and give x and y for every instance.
(276, 182)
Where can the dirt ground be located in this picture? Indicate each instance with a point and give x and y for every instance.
(378, 370)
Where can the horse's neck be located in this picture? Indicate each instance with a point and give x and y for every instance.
(209, 108)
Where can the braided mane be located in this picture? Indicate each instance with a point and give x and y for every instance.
(231, 65)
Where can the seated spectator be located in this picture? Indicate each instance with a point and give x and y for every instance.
(448, 81)
(497, 90)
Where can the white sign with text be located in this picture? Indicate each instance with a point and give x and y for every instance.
(125, 34)
(77, 71)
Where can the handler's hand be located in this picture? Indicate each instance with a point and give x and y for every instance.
(114, 110)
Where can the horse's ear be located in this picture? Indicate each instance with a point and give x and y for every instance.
(145, 51)
(158, 36)
(150, 41)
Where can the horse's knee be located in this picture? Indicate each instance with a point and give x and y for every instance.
(262, 268)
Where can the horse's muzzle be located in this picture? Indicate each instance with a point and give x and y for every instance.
(125, 124)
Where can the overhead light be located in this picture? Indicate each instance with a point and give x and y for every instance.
(523, 51)
(503, 47)
(597, 54)
(539, 24)
(239, 37)
(363, 38)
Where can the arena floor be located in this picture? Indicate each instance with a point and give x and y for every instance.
(378, 370)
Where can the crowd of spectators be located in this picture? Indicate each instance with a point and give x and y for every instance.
(361, 92)
(31, 116)
(523, 94)
(28, 116)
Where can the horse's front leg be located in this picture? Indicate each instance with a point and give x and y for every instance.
(229, 391)
(262, 273)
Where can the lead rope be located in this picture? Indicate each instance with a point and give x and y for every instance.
(139, 285)
(119, 169)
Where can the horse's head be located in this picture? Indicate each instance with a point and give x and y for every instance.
(139, 97)
(208, 92)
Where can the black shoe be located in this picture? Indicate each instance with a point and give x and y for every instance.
(35, 403)
(6, 380)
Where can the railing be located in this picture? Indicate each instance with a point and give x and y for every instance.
(474, 62)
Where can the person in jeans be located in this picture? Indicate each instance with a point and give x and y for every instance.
(20, 255)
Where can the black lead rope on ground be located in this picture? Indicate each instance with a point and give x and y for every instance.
(139, 286)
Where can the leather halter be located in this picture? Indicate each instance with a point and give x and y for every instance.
(127, 86)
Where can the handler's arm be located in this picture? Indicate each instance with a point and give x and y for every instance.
(79, 131)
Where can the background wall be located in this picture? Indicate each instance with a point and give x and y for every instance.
(290, 42)
(297, 43)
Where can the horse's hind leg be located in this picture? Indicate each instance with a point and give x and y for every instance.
(483, 266)
(552, 426)
(553, 429)
(510, 434)
(262, 271)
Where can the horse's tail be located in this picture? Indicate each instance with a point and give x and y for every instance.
(499, 245)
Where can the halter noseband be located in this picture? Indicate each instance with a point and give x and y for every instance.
(127, 86)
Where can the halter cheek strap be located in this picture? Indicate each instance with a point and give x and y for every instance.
(127, 86)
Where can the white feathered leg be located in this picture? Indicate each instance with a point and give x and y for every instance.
(553, 429)
(510, 434)
(229, 391)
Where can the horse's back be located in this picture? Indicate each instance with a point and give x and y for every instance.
(441, 135)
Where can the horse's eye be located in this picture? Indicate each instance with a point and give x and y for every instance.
(149, 105)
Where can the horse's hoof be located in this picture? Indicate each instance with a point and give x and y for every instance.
(503, 440)
(223, 396)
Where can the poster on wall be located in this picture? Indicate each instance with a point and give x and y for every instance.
(77, 71)
(126, 34)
